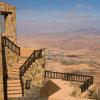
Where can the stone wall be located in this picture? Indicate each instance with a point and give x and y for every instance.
(10, 26)
(36, 74)
(7, 7)
(1, 79)
(11, 58)
(9, 12)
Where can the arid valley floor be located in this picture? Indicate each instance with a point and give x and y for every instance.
(85, 47)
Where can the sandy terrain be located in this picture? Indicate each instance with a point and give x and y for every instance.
(81, 46)
(25, 52)
(65, 91)
(77, 44)
(56, 66)
(85, 46)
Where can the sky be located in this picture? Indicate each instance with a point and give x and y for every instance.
(52, 16)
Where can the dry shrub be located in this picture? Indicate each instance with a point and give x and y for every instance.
(95, 94)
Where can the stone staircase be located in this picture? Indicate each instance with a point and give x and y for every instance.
(14, 72)
(14, 88)
(13, 83)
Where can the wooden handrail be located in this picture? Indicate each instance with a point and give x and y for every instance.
(5, 42)
(87, 80)
(34, 56)
(8, 43)
(86, 84)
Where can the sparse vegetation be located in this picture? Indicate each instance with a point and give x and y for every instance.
(74, 93)
(94, 63)
(95, 94)
(70, 61)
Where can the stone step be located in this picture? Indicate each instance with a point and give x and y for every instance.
(14, 70)
(16, 67)
(13, 76)
(22, 60)
(13, 73)
(13, 88)
(19, 64)
(14, 85)
(13, 81)
(14, 92)
(14, 95)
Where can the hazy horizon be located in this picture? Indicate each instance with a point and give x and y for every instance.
(55, 16)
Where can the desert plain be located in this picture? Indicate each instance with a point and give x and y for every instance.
(66, 52)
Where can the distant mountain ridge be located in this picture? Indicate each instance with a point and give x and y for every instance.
(89, 31)
(78, 32)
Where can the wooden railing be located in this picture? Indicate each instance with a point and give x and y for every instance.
(34, 56)
(86, 84)
(8, 43)
(87, 80)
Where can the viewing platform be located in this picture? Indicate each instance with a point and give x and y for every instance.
(58, 89)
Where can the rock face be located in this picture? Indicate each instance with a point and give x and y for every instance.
(36, 76)
(11, 58)
(35, 73)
